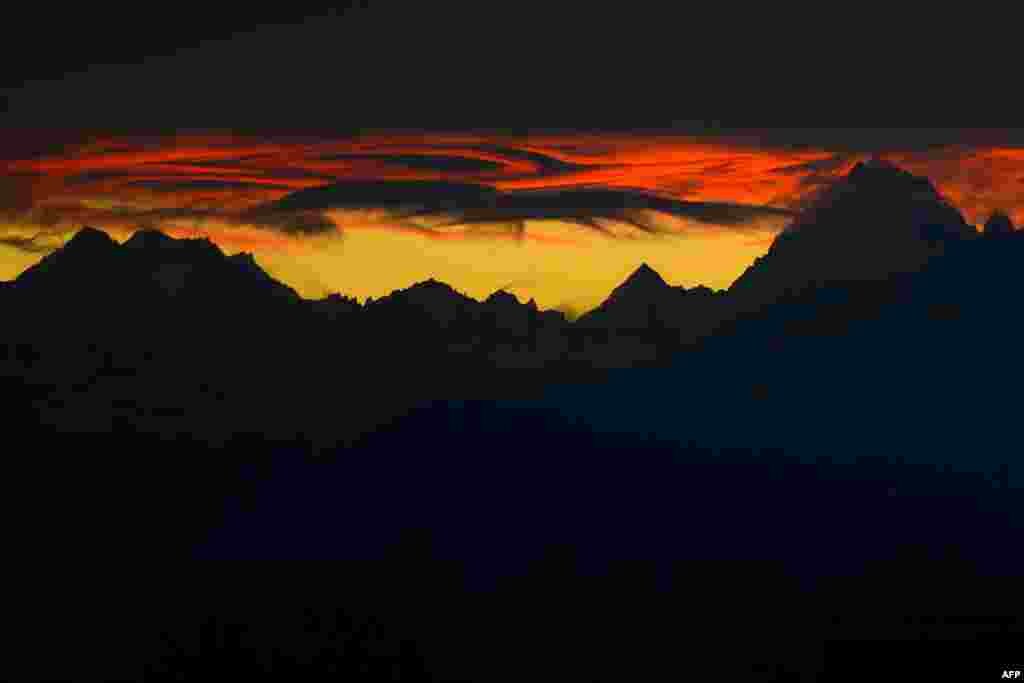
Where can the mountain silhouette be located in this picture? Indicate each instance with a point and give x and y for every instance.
(503, 309)
(643, 279)
(186, 280)
(876, 222)
(152, 239)
(645, 305)
(335, 307)
(85, 258)
(876, 225)
(431, 298)
(149, 263)
(856, 386)
(997, 225)
(496, 333)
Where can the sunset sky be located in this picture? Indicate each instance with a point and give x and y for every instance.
(214, 185)
(198, 129)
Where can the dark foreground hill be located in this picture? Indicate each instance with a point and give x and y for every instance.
(481, 541)
(829, 459)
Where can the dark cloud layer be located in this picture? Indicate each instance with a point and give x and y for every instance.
(463, 203)
(487, 185)
(519, 68)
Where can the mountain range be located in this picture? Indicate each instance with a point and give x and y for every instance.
(876, 237)
(811, 455)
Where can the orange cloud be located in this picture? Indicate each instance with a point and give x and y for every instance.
(978, 180)
(210, 184)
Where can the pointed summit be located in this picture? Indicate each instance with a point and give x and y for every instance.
(90, 239)
(878, 200)
(643, 284)
(879, 175)
(244, 259)
(149, 239)
(643, 278)
(998, 224)
(89, 253)
(875, 166)
(156, 244)
(877, 221)
(247, 264)
(150, 263)
(430, 287)
(502, 298)
(427, 293)
(643, 302)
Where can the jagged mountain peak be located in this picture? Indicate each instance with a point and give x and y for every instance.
(998, 224)
(426, 292)
(880, 176)
(156, 242)
(88, 252)
(645, 271)
(642, 279)
(150, 239)
(502, 298)
(243, 257)
(875, 168)
(876, 221)
(431, 285)
(92, 262)
(88, 239)
(645, 301)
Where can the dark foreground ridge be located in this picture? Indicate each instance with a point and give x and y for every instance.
(682, 485)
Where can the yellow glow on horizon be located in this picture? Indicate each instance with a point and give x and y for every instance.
(216, 186)
(559, 264)
(365, 262)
